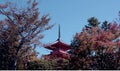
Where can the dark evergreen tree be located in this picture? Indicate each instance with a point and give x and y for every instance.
(92, 22)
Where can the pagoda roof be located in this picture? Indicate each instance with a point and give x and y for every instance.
(58, 44)
(59, 54)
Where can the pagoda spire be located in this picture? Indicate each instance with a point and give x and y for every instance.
(59, 33)
(59, 49)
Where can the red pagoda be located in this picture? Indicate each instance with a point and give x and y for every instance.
(59, 49)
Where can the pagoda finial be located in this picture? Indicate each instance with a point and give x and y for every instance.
(59, 35)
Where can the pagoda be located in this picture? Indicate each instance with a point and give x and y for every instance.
(59, 49)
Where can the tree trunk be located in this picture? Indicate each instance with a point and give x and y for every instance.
(15, 59)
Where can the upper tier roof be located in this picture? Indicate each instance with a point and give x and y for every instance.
(57, 45)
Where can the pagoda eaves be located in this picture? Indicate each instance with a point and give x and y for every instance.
(57, 45)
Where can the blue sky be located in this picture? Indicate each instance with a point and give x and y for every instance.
(72, 15)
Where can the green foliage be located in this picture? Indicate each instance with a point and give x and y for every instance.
(93, 22)
(41, 65)
(105, 25)
(59, 64)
